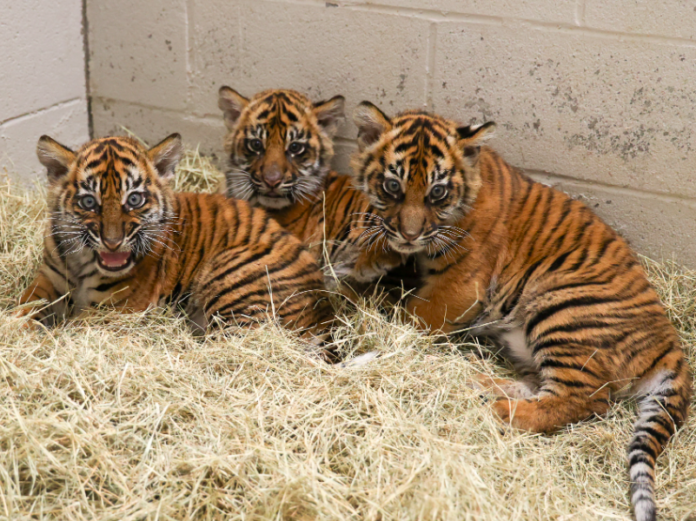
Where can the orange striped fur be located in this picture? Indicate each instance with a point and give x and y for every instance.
(535, 271)
(119, 235)
(280, 147)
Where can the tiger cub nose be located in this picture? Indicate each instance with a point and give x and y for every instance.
(272, 176)
(112, 244)
(411, 235)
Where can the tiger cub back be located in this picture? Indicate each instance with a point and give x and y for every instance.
(279, 148)
(536, 271)
(118, 234)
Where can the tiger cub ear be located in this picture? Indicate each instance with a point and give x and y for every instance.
(330, 114)
(54, 156)
(166, 154)
(471, 137)
(231, 103)
(371, 123)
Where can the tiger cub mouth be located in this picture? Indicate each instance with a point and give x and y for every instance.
(274, 201)
(114, 261)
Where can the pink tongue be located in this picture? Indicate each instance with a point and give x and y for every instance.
(114, 259)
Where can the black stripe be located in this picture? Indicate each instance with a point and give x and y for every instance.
(598, 341)
(249, 278)
(666, 425)
(230, 268)
(106, 286)
(550, 362)
(569, 383)
(558, 262)
(660, 437)
(578, 325)
(508, 306)
(583, 301)
(657, 359)
(648, 457)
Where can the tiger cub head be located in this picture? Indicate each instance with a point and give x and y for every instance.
(420, 172)
(279, 145)
(110, 201)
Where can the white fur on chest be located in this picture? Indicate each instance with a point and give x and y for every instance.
(84, 295)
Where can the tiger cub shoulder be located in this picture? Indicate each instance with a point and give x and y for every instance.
(118, 234)
(279, 148)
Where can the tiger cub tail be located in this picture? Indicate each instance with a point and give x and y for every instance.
(663, 400)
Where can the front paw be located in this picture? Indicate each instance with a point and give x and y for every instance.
(377, 268)
(503, 408)
(366, 274)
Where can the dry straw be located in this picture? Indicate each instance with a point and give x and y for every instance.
(131, 417)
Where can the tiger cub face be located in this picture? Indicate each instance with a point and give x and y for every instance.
(420, 171)
(279, 145)
(110, 200)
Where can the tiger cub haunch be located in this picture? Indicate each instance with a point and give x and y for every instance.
(279, 148)
(535, 270)
(118, 234)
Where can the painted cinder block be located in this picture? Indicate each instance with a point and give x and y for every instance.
(585, 106)
(66, 122)
(138, 51)
(113, 117)
(42, 60)
(669, 18)
(563, 11)
(319, 50)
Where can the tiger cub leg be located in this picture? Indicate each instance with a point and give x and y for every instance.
(50, 308)
(506, 388)
(572, 388)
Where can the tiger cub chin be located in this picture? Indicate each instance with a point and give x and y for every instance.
(118, 234)
(279, 148)
(536, 271)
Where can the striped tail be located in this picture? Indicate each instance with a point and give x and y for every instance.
(663, 401)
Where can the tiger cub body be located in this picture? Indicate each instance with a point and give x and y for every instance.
(505, 257)
(279, 147)
(119, 235)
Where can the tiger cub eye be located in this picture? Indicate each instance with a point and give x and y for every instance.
(438, 192)
(392, 186)
(255, 145)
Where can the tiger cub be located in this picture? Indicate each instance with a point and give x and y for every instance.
(535, 270)
(279, 147)
(119, 235)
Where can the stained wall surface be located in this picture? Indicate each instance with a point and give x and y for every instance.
(595, 97)
(42, 86)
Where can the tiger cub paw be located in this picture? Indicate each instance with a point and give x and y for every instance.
(369, 271)
(503, 408)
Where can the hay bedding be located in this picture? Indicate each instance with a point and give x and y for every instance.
(119, 417)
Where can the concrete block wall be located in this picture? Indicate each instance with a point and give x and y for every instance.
(42, 86)
(595, 97)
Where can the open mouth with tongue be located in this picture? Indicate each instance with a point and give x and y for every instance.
(114, 261)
